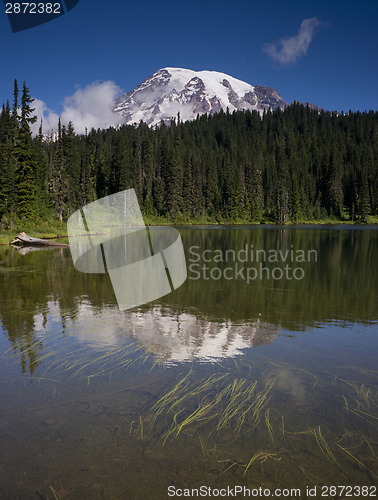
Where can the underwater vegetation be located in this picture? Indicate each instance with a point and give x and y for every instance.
(226, 401)
(239, 419)
(243, 419)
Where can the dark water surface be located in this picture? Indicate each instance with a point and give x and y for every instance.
(251, 373)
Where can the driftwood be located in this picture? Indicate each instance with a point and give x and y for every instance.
(25, 240)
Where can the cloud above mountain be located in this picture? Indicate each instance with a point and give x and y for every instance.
(89, 107)
(92, 107)
(287, 50)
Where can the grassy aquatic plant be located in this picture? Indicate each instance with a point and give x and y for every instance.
(228, 402)
(224, 408)
(283, 427)
(140, 428)
(205, 451)
(268, 424)
(78, 366)
(200, 414)
(323, 445)
(56, 496)
(166, 400)
(363, 402)
(351, 441)
(369, 417)
(369, 445)
(364, 396)
(349, 453)
(260, 457)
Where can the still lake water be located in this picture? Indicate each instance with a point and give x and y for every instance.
(270, 383)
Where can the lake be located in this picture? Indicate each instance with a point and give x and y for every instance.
(260, 371)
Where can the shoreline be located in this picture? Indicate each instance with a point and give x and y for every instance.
(7, 236)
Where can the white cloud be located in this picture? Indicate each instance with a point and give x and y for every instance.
(92, 107)
(49, 118)
(287, 50)
(86, 108)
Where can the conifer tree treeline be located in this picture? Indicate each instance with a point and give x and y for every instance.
(296, 164)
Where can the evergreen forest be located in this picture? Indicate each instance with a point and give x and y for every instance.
(284, 166)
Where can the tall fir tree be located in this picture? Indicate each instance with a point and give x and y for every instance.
(57, 178)
(8, 132)
(26, 188)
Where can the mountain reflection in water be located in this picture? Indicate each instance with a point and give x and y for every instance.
(172, 337)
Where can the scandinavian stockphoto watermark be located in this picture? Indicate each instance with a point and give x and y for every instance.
(144, 264)
(249, 264)
(109, 235)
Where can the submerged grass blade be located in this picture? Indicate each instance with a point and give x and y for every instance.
(56, 496)
(203, 446)
(323, 445)
(262, 457)
(352, 456)
(268, 424)
(369, 445)
(140, 428)
(233, 464)
(363, 414)
(283, 427)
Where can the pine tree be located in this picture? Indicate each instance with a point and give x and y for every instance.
(187, 190)
(15, 101)
(295, 200)
(363, 198)
(57, 179)
(334, 184)
(7, 162)
(173, 179)
(26, 188)
(72, 163)
(87, 179)
(41, 172)
(147, 173)
(282, 190)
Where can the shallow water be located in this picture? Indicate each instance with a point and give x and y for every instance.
(268, 383)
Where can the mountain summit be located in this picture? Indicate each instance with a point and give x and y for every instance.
(175, 90)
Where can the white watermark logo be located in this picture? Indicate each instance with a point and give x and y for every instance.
(109, 235)
(25, 15)
(249, 264)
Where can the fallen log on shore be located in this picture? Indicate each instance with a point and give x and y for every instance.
(24, 239)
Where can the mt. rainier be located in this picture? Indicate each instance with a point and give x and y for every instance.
(174, 90)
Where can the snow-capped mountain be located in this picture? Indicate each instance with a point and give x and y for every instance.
(175, 90)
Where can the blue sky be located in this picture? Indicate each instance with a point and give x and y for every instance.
(331, 61)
